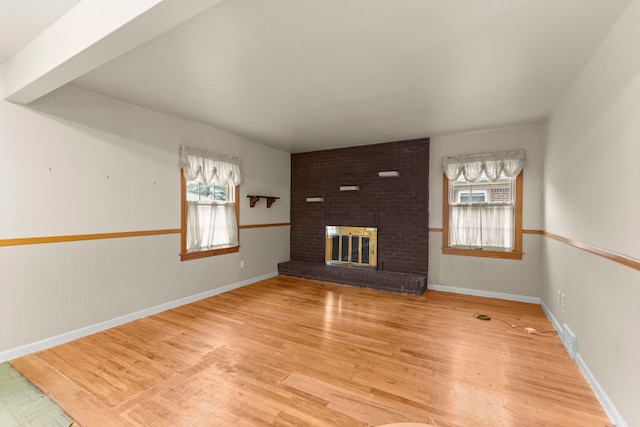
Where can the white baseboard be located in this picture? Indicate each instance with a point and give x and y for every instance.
(481, 293)
(554, 322)
(606, 403)
(92, 329)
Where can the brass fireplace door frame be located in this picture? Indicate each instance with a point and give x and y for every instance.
(358, 232)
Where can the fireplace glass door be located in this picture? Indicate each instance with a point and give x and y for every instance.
(352, 246)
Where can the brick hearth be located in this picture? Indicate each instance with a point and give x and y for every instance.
(383, 280)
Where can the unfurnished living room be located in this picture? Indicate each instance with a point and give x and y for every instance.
(318, 212)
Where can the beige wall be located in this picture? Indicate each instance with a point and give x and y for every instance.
(592, 195)
(484, 274)
(74, 163)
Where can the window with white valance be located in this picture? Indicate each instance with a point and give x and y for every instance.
(209, 188)
(482, 204)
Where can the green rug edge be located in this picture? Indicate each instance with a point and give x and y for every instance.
(24, 404)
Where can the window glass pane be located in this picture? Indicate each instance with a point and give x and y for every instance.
(482, 190)
(475, 196)
(193, 190)
(206, 192)
(220, 192)
(197, 191)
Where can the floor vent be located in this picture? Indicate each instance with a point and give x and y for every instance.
(569, 340)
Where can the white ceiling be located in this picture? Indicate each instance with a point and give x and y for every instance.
(21, 21)
(303, 75)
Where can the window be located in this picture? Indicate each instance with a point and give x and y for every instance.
(197, 191)
(209, 212)
(472, 195)
(482, 205)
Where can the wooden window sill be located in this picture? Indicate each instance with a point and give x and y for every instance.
(483, 253)
(204, 254)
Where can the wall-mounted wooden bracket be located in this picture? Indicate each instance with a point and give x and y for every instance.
(253, 199)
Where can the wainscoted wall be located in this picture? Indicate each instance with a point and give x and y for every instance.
(601, 308)
(484, 274)
(397, 206)
(592, 196)
(511, 277)
(75, 163)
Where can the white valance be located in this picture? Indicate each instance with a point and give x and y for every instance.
(209, 167)
(507, 163)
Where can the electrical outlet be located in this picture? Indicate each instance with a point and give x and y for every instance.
(558, 296)
(241, 263)
(562, 299)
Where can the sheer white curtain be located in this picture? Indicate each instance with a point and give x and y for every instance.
(210, 225)
(488, 224)
(482, 226)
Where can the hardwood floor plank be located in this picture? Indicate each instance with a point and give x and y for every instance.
(352, 403)
(287, 351)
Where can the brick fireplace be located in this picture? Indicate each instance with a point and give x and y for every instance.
(394, 204)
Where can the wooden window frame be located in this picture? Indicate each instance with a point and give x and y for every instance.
(517, 229)
(186, 256)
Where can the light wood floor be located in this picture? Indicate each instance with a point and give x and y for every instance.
(287, 351)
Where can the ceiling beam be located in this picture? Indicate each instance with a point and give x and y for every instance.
(91, 34)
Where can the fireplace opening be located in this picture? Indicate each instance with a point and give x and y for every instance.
(351, 246)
